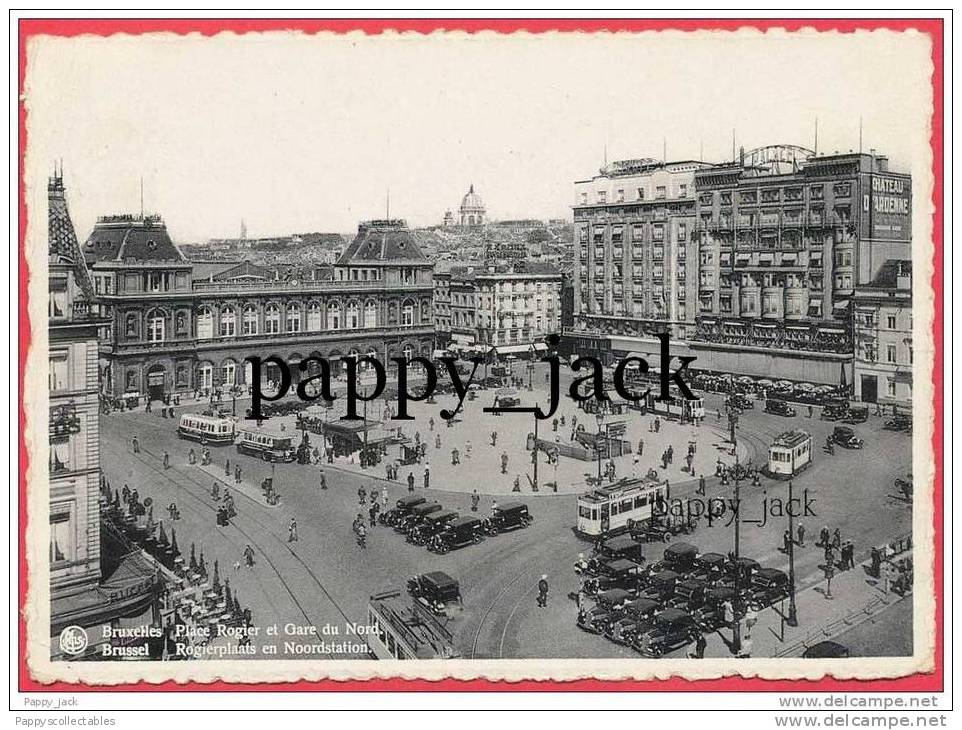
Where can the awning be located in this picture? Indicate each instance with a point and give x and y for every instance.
(509, 349)
(540, 347)
(842, 305)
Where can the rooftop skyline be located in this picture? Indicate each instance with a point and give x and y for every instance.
(311, 133)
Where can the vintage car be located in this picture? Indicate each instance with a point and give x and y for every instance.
(779, 407)
(899, 422)
(711, 614)
(592, 618)
(856, 414)
(634, 616)
(457, 533)
(416, 516)
(826, 650)
(689, 594)
(905, 486)
(437, 591)
(430, 526)
(614, 599)
(846, 438)
(768, 586)
(741, 570)
(681, 556)
(622, 546)
(669, 630)
(507, 517)
(709, 567)
(620, 573)
(401, 510)
(741, 402)
(661, 586)
(834, 411)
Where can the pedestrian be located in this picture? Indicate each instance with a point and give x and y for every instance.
(417, 439)
(431, 423)
(384, 497)
(554, 425)
(227, 468)
(543, 591)
(751, 618)
(700, 645)
(801, 535)
(237, 475)
(837, 538)
(215, 489)
(323, 480)
(427, 476)
(504, 462)
(135, 445)
(688, 462)
(701, 484)
(292, 530)
(455, 457)
(249, 556)
(494, 438)
(437, 441)
(191, 457)
(475, 499)
(811, 411)
(361, 495)
(166, 460)
(786, 542)
(387, 469)
(411, 481)
(372, 513)
(823, 535)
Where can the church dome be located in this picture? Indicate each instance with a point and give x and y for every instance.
(472, 201)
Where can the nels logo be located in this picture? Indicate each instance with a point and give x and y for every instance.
(73, 640)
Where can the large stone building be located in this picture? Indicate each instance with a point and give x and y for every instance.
(94, 581)
(510, 308)
(172, 331)
(472, 211)
(634, 250)
(883, 337)
(750, 266)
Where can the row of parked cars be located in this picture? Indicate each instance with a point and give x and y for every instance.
(426, 522)
(663, 606)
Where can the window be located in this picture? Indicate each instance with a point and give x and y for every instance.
(890, 321)
(58, 373)
(155, 326)
(58, 304)
(59, 454)
(891, 387)
(180, 323)
(683, 190)
(272, 320)
(353, 316)
(205, 375)
(131, 326)
(660, 192)
(621, 195)
(293, 318)
(334, 316)
(205, 324)
(407, 313)
(584, 198)
(313, 317)
(228, 322)
(641, 193)
(228, 372)
(249, 320)
(602, 196)
(61, 545)
(370, 315)
(890, 353)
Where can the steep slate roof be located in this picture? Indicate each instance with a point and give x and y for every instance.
(62, 243)
(382, 241)
(244, 269)
(122, 238)
(888, 274)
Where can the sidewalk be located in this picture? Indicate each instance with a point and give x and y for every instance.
(855, 598)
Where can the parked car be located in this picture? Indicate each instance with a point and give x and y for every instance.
(709, 567)
(741, 402)
(856, 414)
(846, 438)
(671, 629)
(457, 533)
(436, 590)
(834, 411)
(779, 408)
(661, 586)
(401, 509)
(507, 517)
(634, 616)
(619, 573)
(899, 422)
(689, 594)
(622, 546)
(769, 585)
(711, 614)
(681, 556)
(592, 618)
(416, 516)
(430, 526)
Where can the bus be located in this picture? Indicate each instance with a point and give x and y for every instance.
(206, 429)
(266, 444)
(614, 509)
(678, 407)
(789, 454)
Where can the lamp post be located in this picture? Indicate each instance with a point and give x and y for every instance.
(792, 608)
(600, 417)
(534, 482)
(736, 600)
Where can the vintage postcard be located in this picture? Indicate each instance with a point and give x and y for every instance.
(492, 355)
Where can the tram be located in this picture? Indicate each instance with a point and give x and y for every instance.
(678, 407)
(614, 509)
(267, 445)
(789, 454)
(206, 429)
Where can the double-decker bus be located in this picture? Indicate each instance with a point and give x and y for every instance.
(790, 453)
(615, 508)
(206, 429)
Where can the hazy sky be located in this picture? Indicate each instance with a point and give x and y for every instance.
(307, 133)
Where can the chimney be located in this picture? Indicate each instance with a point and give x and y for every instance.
(741, 156)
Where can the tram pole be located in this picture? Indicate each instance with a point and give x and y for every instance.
(736, 600)
(792, 608)
(534, 484)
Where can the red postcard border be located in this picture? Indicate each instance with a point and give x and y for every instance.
(209, 26)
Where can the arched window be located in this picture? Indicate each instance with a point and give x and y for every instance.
(132, 326)
(205, 375)
(293, 317)
(370, 315)
(205, 323)
(272, 320)
(313, 317)
(407, 313)
(155, 325)
(228, 322)
(408, 352)
(249, 320)
(372, 353)
(228, 370)
(353, 316)
(334, 316)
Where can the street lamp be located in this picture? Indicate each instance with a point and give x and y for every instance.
(792, 608)
(733, 414)
(600, 417)
(736, 600)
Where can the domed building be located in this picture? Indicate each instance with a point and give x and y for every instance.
(472, 209)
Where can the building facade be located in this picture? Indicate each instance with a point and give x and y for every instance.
(83, 560)
(783, 238)
(173, 333)
(633, 255)
(883, 337)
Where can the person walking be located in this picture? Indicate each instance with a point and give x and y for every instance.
(837, 538)
(135, 444)
(494, 438)
(437, 441)
(700, 644)
(227, 468)
(323, 480)
(475, 500)
(191, 457)
(292, 530)
(372, 512)
(431, 423)
(455, 457)
(384, 497)
(237, 475)
(166, 460)
(249, 556)
(361, 495)
(701, 484)
(427, 476)
(411, 481)
(823, 536)
(801, 535)
(504, 462)
(543, 591)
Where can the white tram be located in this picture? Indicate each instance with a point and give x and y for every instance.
(612, 509)
(790, 453)
(678, 407)
(206, 429)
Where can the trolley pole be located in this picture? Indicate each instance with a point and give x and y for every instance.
(534, 483)
(792, 608)
(736, 601)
